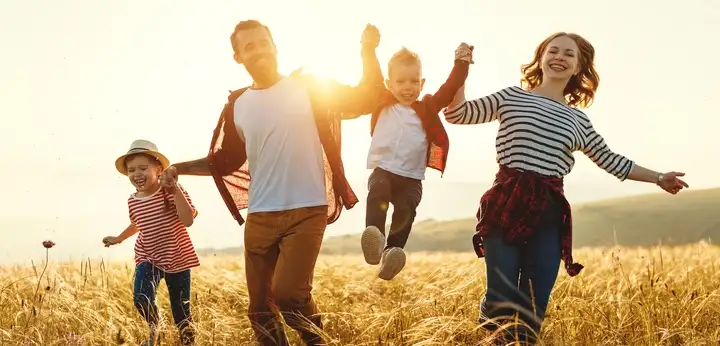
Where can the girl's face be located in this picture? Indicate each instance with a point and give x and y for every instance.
(561, 59)
(143, 172)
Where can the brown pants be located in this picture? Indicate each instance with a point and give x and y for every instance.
(281, 249)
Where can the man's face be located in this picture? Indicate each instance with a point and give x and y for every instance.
(256, 50)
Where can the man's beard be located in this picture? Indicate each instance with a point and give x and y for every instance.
(263, 72)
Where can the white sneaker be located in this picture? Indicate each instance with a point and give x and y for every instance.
(393, 261)
(372, 242)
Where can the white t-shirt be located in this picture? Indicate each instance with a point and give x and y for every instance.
(399, 144)
(284, 152)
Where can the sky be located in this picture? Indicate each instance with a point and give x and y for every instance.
(81, 79)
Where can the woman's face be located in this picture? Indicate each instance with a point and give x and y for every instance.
(561, 59)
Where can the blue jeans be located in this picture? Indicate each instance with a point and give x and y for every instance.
(147, 278)
(513, 270)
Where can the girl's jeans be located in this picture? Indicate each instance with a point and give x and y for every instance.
(147, 278)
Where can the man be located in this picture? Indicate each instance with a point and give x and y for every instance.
(284, 132)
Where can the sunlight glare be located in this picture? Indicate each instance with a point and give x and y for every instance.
(341, 67)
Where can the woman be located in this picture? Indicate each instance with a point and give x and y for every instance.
(525, 227)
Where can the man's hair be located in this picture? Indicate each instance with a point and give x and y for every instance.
(404, 57)
(247, 25)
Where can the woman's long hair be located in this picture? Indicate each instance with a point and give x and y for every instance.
(580, 89)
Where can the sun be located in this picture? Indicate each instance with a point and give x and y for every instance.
(342, 64)
(345, 71)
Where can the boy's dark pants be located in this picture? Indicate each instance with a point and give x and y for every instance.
(147, 278)
(404, 194)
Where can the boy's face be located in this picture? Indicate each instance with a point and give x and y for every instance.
(143, 172)
(405, 82)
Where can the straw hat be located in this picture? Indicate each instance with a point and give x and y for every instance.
(144, 147)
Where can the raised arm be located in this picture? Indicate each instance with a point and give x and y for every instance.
(477, 111)
(446, 93)
(186, 211)
(353, 101)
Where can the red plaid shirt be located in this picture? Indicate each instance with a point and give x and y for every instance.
(331, 102)
(514, 206)
(427, 109)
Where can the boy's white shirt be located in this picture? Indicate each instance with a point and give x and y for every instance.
(399, 144)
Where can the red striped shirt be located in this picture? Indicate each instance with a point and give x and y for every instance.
(162, 239)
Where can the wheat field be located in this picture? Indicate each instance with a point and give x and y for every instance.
(645, 296)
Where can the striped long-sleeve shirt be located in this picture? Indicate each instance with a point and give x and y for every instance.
(539, 134)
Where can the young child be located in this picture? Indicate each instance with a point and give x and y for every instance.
(160, 212)
(407, 136)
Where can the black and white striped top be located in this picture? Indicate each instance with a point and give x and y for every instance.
(539, 134)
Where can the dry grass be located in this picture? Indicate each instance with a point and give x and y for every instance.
(668, 296)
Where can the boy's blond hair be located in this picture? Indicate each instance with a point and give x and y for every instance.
(405, 57)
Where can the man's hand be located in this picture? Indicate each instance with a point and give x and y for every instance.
(168, 179)
(371, 36)
(464, 52)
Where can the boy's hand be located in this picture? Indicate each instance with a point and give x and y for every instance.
(110, 241)
(464, 52)
(371, 36)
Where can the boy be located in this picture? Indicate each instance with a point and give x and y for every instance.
(407, 137)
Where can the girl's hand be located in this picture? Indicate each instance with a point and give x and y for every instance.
(110, 240)
(168, 180)
(170, 187)
(169, 174)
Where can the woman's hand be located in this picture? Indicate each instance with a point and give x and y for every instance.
(464, 52)
(671, 183)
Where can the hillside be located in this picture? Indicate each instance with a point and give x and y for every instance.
(630, 221)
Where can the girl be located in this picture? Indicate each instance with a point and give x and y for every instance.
(163, 250)
(524, 223)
